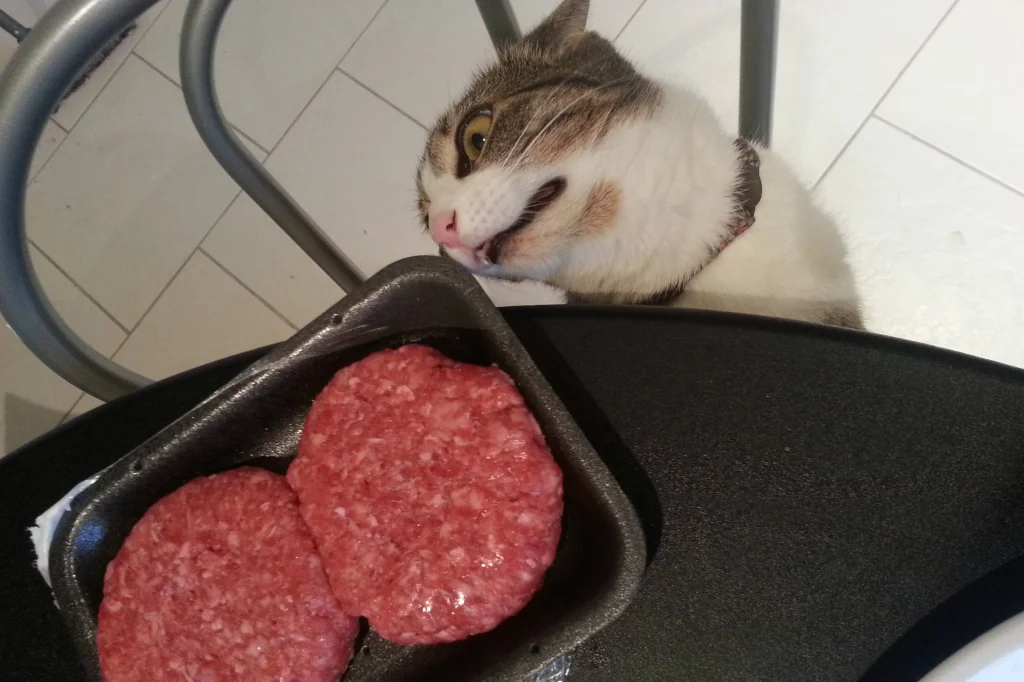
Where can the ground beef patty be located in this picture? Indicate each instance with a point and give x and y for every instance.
(221, 581)
(432, 496)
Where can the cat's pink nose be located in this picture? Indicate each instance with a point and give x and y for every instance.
(443, 230)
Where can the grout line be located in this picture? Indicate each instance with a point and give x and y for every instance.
(57, 123)
(234, 128)
(67, 135)
(71, 409)
(79, 119)
(142, 317)
(254, 143)
(299, 115)
(185, 262)
(162, 291)
(54, 154)
(885, 94)
(376, 94)
(630, 20)
(362, 33)
(225, 211)
(129, 331)
(240, 192)
(958, 161)
(151, 24)
(155, 68)
(84, 393)
(99, 92)
(245, 286)
(113, 75)
(89, 296)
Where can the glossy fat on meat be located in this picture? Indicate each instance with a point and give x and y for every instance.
(431, 493)
(220, 581)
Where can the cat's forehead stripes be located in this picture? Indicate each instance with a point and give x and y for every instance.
(571, 99)
(543, 125)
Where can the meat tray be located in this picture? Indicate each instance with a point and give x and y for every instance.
(257, 417)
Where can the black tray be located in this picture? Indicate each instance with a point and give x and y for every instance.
(257, 418)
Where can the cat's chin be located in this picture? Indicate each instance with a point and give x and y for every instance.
(474, 261)
(478, 264)
(490, 271)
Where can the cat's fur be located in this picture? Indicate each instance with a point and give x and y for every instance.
(649, 179)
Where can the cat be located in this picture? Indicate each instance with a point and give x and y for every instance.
(563, 164)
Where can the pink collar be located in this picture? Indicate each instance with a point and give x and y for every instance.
(746, 195)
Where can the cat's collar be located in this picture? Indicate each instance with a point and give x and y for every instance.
(746, 196)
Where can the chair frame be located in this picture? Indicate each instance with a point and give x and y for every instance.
(63, 41)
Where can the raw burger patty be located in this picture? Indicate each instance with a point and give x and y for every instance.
(432, 496)
(220, 581)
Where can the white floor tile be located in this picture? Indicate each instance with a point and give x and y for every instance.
(129, 194)
(271, 57)
(203, 316)
(349, 161)
(836, 58)
(7, 47)
(83, 316)
(253, 247)
(74, 106)
(964, 91)
(420, 55)
(33, 399)
(49, 141)
(936, 246)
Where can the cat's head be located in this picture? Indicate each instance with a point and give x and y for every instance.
(505, 185)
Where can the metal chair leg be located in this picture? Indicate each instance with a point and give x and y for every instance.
(34, 81)
(758, 38)
(202, 22)
(500, 21)
(12, 26)
(73, 31)
(31, 86)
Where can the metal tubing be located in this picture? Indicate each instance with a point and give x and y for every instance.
(41, 69)
(500, 21)
(199, 35)
(758, 36)
(11, 25)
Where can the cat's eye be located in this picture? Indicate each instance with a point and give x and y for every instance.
(474, 134)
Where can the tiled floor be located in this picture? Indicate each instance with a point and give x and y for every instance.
(905, 114)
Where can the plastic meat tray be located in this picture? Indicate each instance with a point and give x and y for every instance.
(257, 417)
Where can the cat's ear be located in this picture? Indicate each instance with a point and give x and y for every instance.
(562, 28)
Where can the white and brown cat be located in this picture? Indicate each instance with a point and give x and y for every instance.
(563, 164)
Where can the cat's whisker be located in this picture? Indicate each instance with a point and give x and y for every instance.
(564, 109)
(537, 113)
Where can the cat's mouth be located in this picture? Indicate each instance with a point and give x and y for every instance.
(541, 199)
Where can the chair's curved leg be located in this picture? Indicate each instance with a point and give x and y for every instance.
(40, 71)
(758, 38)
(203, 19)
(500, 21)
